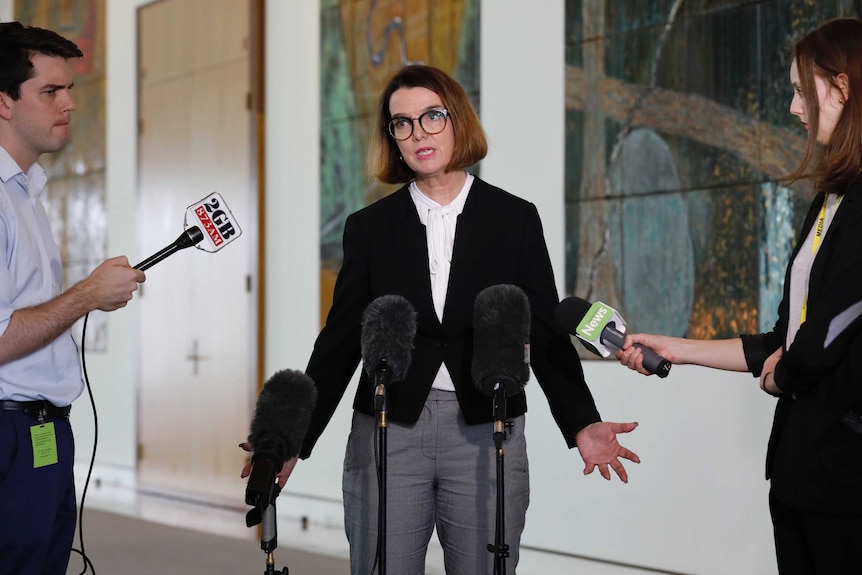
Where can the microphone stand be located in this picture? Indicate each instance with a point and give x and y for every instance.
(262, 492)
(499, 547)
(381, 377)
(269, 535)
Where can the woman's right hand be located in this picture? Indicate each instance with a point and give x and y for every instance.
(631, 356)
(282, 475)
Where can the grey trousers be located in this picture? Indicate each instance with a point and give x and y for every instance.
(441, 473)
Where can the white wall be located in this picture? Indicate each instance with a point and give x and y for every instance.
(697, 503)
(292, 181)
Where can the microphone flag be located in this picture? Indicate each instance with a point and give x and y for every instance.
(599, 316)
(215, 219)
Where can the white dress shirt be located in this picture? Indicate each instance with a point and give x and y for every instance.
(31, 274)
(440, 222)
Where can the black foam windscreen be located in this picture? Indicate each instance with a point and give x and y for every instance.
(501, 339)
(282, 414)
(388, 330)
(570, 313)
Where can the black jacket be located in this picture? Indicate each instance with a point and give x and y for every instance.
(498, 240)
(813, 458)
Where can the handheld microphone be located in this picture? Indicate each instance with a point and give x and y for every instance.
(277, 430)
(599, 326)
(388, 330)
(209, 219)
(501, 340)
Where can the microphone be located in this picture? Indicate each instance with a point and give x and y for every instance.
(596, 326)
(186, 239)
(277, 430)
(210, 215)
(388, 330)
(501, 340)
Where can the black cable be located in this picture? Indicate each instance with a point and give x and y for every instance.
(87, 562)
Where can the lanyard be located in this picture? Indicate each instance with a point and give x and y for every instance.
(815, 243)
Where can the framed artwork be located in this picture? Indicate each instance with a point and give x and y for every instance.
(678, 144)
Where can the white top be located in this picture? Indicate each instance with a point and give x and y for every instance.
(31, 274)
(440, 222)
(800, 271)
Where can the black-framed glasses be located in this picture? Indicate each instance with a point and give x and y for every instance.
(432, 122)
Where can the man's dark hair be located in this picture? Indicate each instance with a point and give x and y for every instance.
(17, 45)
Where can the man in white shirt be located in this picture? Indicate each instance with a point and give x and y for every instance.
(40, 374)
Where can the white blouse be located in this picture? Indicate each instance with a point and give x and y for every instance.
(801, 269)
(440, 222)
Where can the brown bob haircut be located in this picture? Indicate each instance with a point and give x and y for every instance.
(384, 160)
(832, 50)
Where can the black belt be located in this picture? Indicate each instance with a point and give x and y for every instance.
(36, 409)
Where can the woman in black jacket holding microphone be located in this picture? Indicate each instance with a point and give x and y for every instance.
(811, 359)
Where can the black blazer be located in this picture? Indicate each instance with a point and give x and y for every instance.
(813, 458)
(498, 240)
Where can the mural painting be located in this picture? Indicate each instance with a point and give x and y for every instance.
(678, 144)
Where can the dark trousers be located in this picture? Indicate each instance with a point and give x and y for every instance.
(37, 506)
(809, 543)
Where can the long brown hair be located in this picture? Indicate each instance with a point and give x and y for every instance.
(834, 48)
(384, 160)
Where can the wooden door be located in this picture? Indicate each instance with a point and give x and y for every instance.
(198, 330)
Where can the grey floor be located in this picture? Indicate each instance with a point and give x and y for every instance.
(136, 533)
(122, 544)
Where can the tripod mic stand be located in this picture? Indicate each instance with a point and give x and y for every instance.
(499, 547)
(381, 378)
(262, 492)
(269, 536)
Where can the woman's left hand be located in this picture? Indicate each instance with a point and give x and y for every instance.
(767, 376)
(598, 446)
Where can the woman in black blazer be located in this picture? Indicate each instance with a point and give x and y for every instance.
(438, 241)
(811, 359)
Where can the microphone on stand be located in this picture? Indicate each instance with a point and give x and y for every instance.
(501, 368)
(277, 430)
(209, 226)
(388, 330)
(600, 326)
(501, 343)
